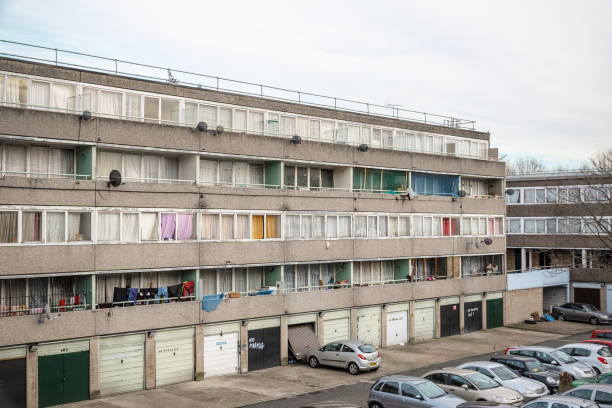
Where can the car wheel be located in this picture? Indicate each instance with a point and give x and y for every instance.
(597, 371)
(561, 316)
(375, 405)
(314, 363)
(593, 320)
(353, 369)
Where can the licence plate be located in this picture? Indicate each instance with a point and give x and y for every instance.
(372, 364)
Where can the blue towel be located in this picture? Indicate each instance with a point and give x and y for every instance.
(210, 302)
(162, 293)
(265, 292)
(132, 294)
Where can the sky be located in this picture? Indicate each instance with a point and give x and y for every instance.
(536, 74)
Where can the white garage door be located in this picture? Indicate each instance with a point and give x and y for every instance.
(174, 357)
(554, 296)
(368, 325)
(397, 324)
(121, 364)
(221, 349)
(336, 326)
(424, 320)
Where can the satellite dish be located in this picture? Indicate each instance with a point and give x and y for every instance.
(202, 126)
(296, 139)
(86, 115)
(461, 193)
(510, 191)
(487, 241)
(363, 147)
(219, 130)
(114, 178)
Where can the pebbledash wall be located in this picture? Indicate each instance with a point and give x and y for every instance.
(365, 259)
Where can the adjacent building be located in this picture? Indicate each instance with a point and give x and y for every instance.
(153, 232)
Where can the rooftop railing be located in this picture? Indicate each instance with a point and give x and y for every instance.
(118, 67)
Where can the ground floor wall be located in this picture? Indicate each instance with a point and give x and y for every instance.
(519, 304)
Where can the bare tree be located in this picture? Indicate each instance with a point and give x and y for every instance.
(524, 165)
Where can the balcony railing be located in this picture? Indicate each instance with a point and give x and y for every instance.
(38, 305)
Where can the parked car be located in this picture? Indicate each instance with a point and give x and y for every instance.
(581, 312)
(403, 391)
(602, 334)
(603, 342)
(601, 394)
(560, 401)
(556, 360)
(531, 368)
(597, 356)
(484, 404)
(473, 386)
(354, 355)
(602, 379)
(528, 388)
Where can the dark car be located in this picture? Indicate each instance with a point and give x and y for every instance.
(581, 312)
(531, 368)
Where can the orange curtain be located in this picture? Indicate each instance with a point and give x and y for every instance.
(271, 223)
(258, 230)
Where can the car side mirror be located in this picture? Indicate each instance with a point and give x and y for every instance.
(554, 362)
(464, 386)
(420, 397)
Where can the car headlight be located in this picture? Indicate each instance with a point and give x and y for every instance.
(552, 381)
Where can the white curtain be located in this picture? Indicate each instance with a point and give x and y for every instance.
(225, 118)
(366, 133)
(227, 226)
(74, 227)
(151, 168)
(132, 106)
(17, 90)
(292, 226)
(344, 226)
(356, 273)
(255, 278)
(225, 280)
(110, 103)
(302, 277)
(342, 134)
(289, 277)
(436, 228)
(56, 229)
(315, 275)
(242, 174)
(89, 100)
(427, 226)
(404, 226)
(210, 226)
(226, 170)
(287, 126)
(318, 226)
(151, 109)
(209, 281)
(242, 226)
(63, 96)
(306, 231)
(130, 227)
(332, 226)
(168, 278)
(208, 115)
(131, 167)
(170, 168)
(256, 122)
(62, 162)
(327, 130)
(240, 275)
(108, 227)
(382, 226)
(256, 174)
(327, 273)
(376, 276)
(372, 226)
(16, 159)
(39, 161)
(208, 172)
(417, 226)
(190, 113)
(273, 124)
(315, 129)
(302, 127)
(240, 120)
(361, 229)
(387, 271)
(148, 226)
(107, 161)
(393, 226)
(170, 110)
(40, 94)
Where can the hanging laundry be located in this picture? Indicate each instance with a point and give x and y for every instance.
(132, 295)
(188, 288)
(211, 302)
(174, 291)
(120, 295)
(162, 293)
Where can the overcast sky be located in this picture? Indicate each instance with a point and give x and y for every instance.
(536, 74)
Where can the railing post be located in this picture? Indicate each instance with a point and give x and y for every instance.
(217, 83)
(299, 97)
(335, 104)
(260, 89)
(116, 70)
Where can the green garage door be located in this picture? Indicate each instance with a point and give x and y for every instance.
(495, 310)
(63, 373)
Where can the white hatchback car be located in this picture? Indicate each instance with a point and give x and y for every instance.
(596, 355)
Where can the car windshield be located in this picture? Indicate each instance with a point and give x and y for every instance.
(590, 308)
(604, 352)
(504, 373)
(481, 381)
(367, 348)
(562, 357)
(534, 366)
(431, 390)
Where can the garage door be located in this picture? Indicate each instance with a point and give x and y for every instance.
(264, 344)
(63, 373)
(609, 298)
(554, 296)
(424, 320)
(472, 306)
(13, 377)
(121, 364)
(368, 325)
(336, 326)
(495, 310)
(174, 356)
(587, 295)
(397, 324)
(221, 349)
(449, 316)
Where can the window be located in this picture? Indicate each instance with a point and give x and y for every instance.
(530, 195)
(63, 97)
(327, 178)
(574, 225)
(273, 124)
(514, 225)
(149, 226)
(372, 227)
(602, 397)
(530, 226)
(273, 226)
(17, 90)
(208, 172)
(391, 388)
(438, 378)
(551, 195)
(240, 120)
(332, 227)
(256, 122)
(404, 226)
(289, 178)
(108, 227)
(515, 197)
(168, 226)
(56, 227)
(40, 94)
(242, 226)
(129, 227)
(208, 115)
(79, 226)
(210, 226)
(417, 226)
(287, 126)
(257, 223)
(31, 226)
(110, 104)
(456, 381)
(170, 110)
(435, 184)
(551, 225)
(410, 391)
(16, 160)
(186, 226)
(360, 229)
(227, 226)
(318, 226)
(540, 404)
(344, 226)
(190, 114)
(583, 393)
(8, 226)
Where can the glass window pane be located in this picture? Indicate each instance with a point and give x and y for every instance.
(132, 106)
(17, 90)
(151, 108)
(190, 113)
(149, 226)
(129, 228)
(63, 97)
(8, 227)
(273, 124)
(210, 226)
(150, 168)
(31, 226)
(170, 110)
(344, 226)
(227, 226)
(108, 227)
(306, 230)
(110, 104)
(107, 161)
(332, 226)
(289, 177)
(225, 118)
(208, 115)
(41, 92)
(240, 120)
(273, 226)
(56, 228)
(79, 226)
(15, 160)
(256, 122)
(318, 226)
(302, 177)
(242, 226)
(208, 172)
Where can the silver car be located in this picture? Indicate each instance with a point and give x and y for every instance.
(528, 388)
(581, 312)
(354, 355)
(560, 401)
(601, 394)
(596, 355)
(556, 360)
(402, 391)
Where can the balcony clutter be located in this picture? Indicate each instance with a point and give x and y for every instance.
(142, 296)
